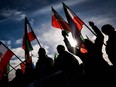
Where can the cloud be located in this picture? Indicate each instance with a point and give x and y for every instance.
(11, 14)
(6, 42)
(19, 41)
(49, 36)
(19, 52)
(57, 6)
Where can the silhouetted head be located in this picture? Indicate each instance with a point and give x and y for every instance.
(60, 49)
(88, 44)
(19, 72)
(107, 29)
(41, 52)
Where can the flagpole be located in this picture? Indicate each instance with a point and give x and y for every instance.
(16, 66)
(12, 67)
(38, 42)
(11, 51)
(92, 31)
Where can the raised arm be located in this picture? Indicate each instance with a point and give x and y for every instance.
(68, 45)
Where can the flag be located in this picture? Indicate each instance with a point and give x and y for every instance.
(26, 43)
(23, 66)
(28, 37)
(76, 34)
(76, 25)
(30, 32)
(5, 56)
(58, 21)
(78, 22)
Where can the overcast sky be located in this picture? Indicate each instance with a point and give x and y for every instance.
(38, 12)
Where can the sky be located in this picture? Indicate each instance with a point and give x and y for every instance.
(38, 12)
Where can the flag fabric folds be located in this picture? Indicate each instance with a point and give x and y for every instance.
(23, 66)
(75, 30)
(5, 56)
(27, 38)
(58, 21)
(30, 32)
(76, 25)
(78, 22)
(26, 43)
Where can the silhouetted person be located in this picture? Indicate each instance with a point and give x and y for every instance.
(43, 67)
(44, 63)
(94, 64)
(29, 73)
(4, 81)
(109, 30)
(18, 80)
(69, 65)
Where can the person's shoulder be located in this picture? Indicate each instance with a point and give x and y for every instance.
(69, 54)
(66, 52)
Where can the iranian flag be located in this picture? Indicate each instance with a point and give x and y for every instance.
(78, 22)
(5, 56)
(30, 32)
(28, 37)
(26, 44)
(76, 34)
(76, 25)
(59, 22)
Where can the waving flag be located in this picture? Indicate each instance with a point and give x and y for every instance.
(26, 41)
(28, 37)
(73, 26)
(76, 25)
(78, 22)
(59, 22)
(30, 32)
(5, 56)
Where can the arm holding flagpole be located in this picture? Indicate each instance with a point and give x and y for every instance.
(97, 31)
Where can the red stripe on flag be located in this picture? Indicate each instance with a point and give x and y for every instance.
(1, 71)
(78, 22)
(31, 36)
(59, 22)
(6, 58)
(23, 66)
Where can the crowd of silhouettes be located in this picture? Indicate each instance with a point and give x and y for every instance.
(65, 70)
(96, 68)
